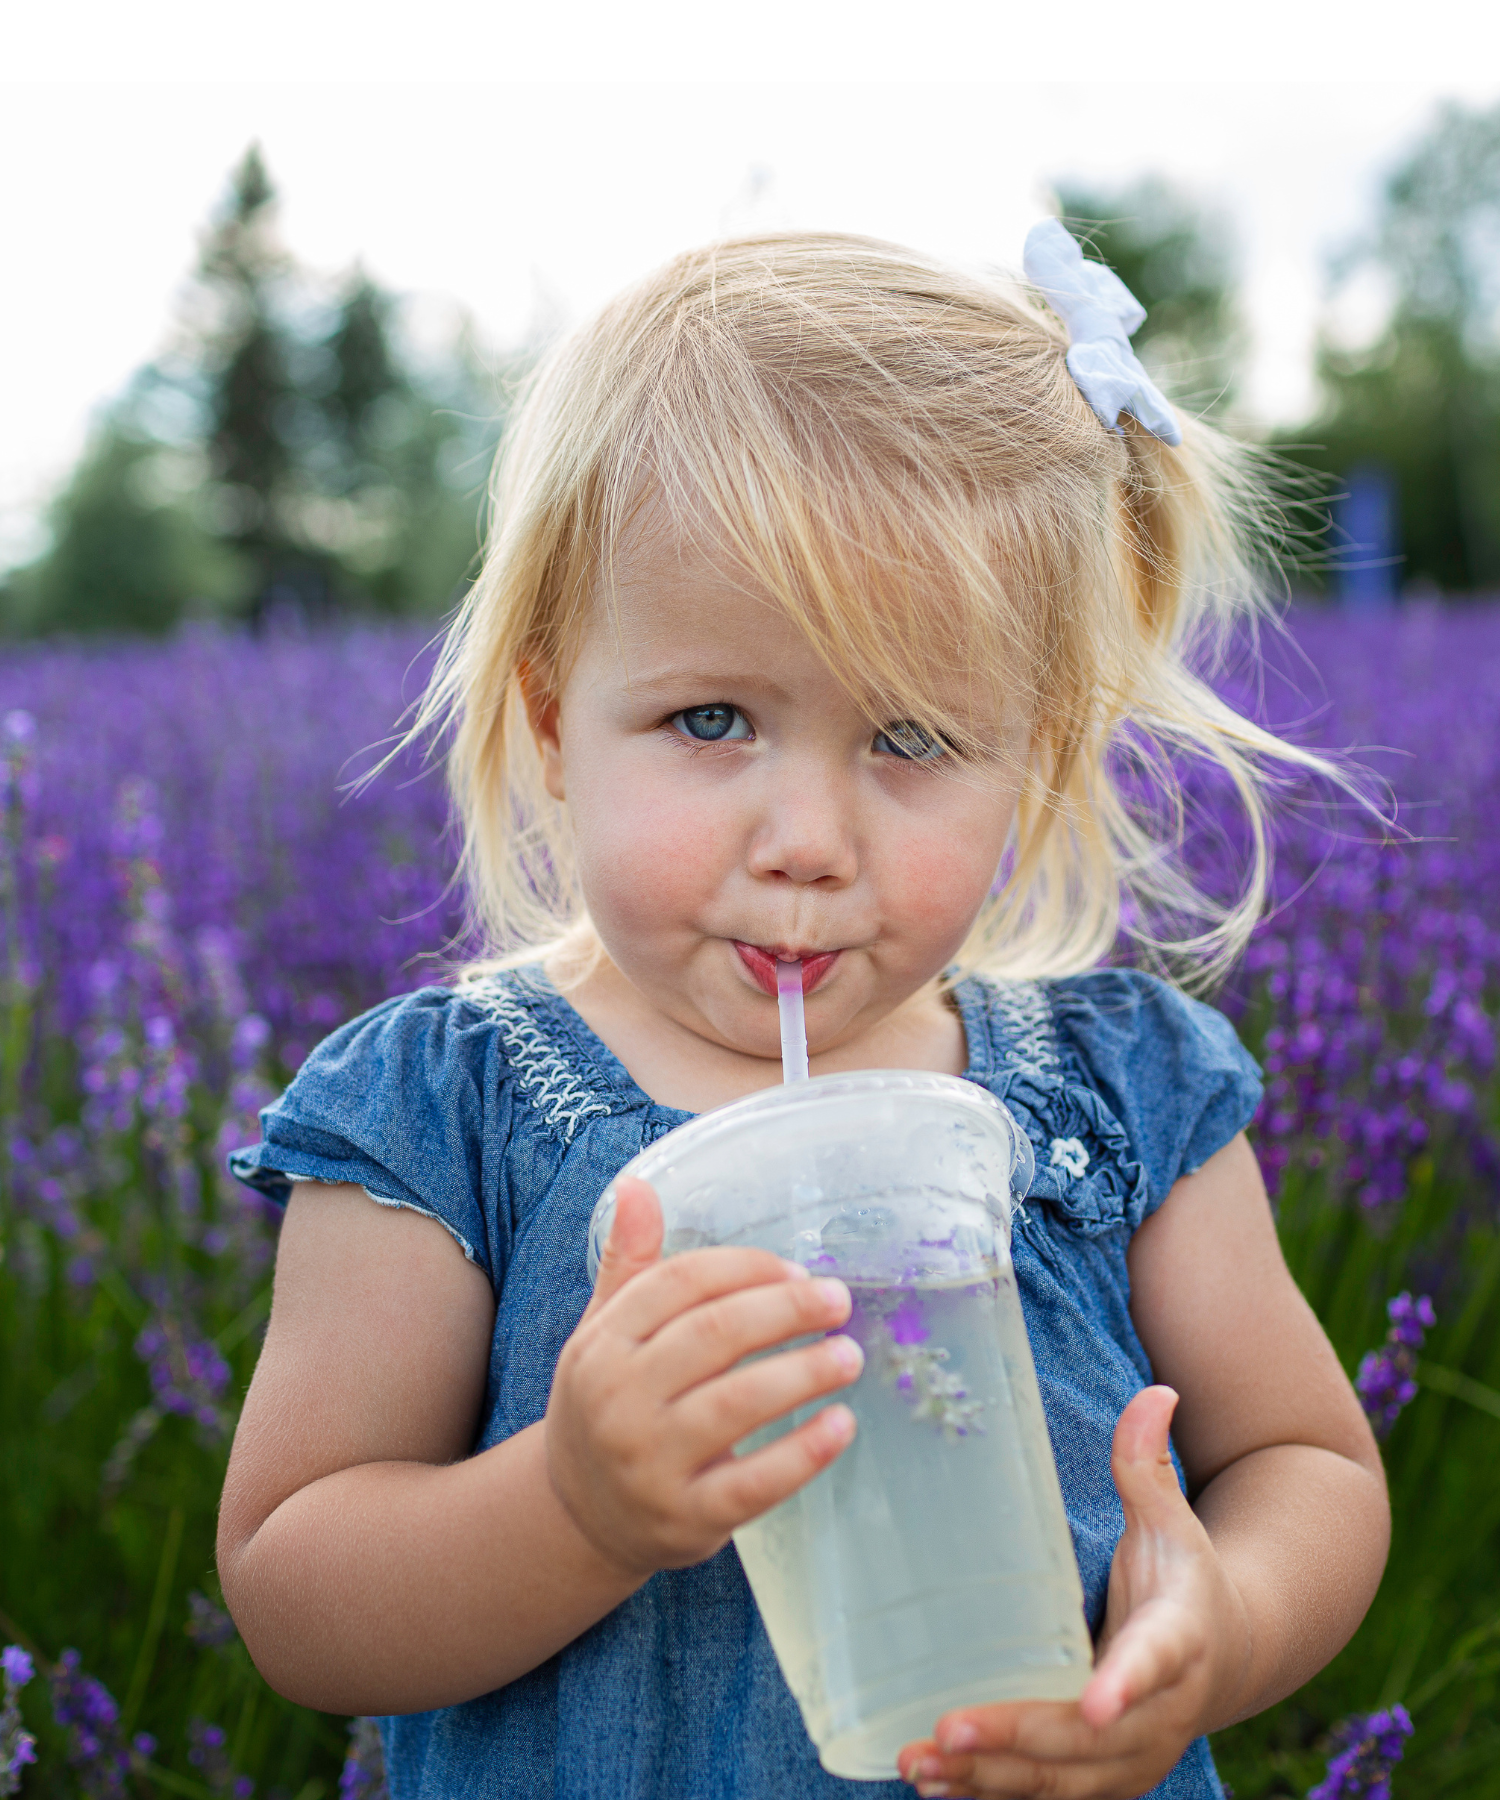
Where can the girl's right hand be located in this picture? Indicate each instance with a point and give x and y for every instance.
(649, 1400)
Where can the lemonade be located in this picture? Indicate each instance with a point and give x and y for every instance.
(930, 1566)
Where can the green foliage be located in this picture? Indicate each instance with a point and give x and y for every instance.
(288, 450)
(1432, 1638)
(104, 1547)
(1423, 401)
(133, 1289)
(129, 553)
(1178, 261)
(112, 1572)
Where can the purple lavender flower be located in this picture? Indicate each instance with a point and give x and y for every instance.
(317, 903)
(188, 1375)
(1387, 1377)
(1366, 1749)
(893, 1328)
(97, 1752)
(188, 1378)
(906, 1324)
(209, 1626)
(1411, 1320)
(17, 744)
(17, 1746)
(363, 1774)
(209, 1753)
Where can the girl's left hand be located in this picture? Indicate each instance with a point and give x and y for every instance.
(1171, 1659)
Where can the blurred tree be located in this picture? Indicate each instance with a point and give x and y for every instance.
(1177, 258)
(128, 555)
(1423, 401)
(243, 358)
(365, 370)
(289, 451)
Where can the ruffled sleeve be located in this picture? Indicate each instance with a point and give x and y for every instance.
(406, 1102)
(1171, 1070)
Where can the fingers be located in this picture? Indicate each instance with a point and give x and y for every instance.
(741, 1488)
(1044, 1730)
(652, 1391)
(1040, 1748)
(1148, 1640)
(654, 1296)
(716, 1415)
(1141, 1461)
(1024, 1748)
(714, 1335)
(1151, 1651)
(634, 1242)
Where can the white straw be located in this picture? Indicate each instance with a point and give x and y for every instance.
(793, 1024)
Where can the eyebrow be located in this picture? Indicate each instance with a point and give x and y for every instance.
(708, 680)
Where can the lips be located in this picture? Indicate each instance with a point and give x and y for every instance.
(761, 962)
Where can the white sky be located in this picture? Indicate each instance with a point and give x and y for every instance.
(522, 198)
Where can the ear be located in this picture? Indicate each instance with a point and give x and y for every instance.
(544, 716)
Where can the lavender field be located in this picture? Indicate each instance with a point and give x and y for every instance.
(190, 898)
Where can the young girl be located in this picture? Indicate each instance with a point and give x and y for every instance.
(821, 606)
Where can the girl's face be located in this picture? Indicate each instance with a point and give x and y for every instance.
(731, 805)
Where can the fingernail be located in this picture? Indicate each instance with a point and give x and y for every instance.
(958, 1738)
(930, 1790)
(847, 1354)
(795, 1271)
(839, 1423)
(832, 1290)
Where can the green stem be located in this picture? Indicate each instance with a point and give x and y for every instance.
(174, 1784)
(1413, 1642)
(245, 1322)
(1461, 1387)
(1461, 1661)
(155, 1619)
(113, 1283)
(242, 1730)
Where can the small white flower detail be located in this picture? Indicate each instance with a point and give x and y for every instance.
(1069, 1154)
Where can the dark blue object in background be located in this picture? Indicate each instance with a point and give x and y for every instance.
(1364, 552)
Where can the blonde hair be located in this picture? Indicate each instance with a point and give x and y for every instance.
(896, 452)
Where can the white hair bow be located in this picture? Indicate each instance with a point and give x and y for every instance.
(1100, 313)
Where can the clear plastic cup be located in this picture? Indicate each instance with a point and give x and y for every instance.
(931, 1565)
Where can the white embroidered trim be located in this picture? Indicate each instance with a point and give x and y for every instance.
(1026, 1018)
(554, 1088)
(387, 1200)
(1069, 1154)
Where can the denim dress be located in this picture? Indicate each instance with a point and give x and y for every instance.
(495, 1110)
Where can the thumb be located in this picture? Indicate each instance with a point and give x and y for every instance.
(1141, 1462)
(1156, 1515)
(634, 1241)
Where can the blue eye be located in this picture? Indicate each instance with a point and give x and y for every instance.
(715, 724)
(910, 741)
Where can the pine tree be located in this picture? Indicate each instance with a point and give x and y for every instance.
(251, 400)
(365, 371)
(282, 454)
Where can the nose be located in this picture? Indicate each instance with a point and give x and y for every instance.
(807, 832)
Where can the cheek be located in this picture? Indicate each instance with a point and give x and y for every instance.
(649, 852)
(940, 874)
